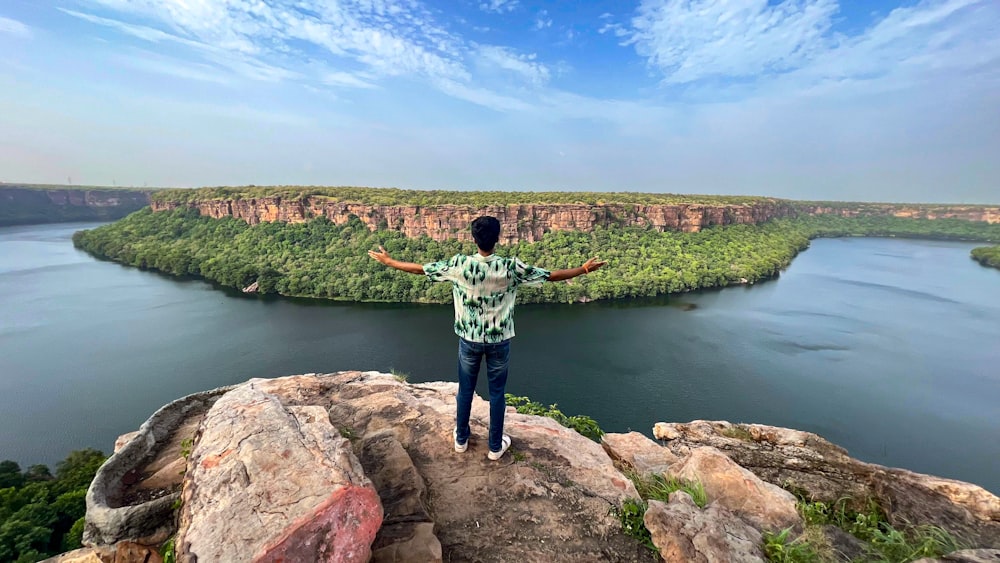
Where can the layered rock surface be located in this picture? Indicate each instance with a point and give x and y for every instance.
(347, 466)
(822, 471)
(358, 466)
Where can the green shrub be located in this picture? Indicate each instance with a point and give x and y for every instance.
(631, 515)
(778, 548)
(582, 424)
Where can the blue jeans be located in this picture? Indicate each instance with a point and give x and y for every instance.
(470, 356)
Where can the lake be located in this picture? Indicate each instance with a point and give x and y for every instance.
(889, 348)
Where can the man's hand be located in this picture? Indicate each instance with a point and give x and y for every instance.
(593, 264)
(382, 256)
(588, 267)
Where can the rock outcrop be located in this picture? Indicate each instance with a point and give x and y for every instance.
(357, 466)
(336, 467)
(822, 471)
(685, 533)
(267, 482)
(766, 506)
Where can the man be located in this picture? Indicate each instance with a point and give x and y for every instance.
(484, 286)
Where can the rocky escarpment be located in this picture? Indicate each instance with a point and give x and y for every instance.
(358, 466)
(519, 222)
(528, 222)
(23, 205)
(986, 214)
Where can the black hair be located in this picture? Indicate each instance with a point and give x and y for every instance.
(486, 232)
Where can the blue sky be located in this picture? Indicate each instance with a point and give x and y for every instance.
(859, 100)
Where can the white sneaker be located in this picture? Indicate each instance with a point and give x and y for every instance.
(459, 447)
(504, 446)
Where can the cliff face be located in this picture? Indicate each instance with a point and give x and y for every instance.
(519, 222)
(964, 212)
(528, 222)
(27, 205)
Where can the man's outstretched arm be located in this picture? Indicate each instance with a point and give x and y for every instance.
(588, 267)
(383, 257)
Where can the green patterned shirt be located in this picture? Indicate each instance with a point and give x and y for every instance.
(484, 288)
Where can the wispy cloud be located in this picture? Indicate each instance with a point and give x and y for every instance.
(525, 66)
(15, 28)
(148, 61)
(498, 6)
(346, 80)
(690, 40)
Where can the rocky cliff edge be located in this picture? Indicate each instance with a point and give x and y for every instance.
(359, 466)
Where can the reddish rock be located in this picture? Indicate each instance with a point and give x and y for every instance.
(267, 482)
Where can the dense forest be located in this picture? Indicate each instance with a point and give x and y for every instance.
(41, 514)
(394, 196)
(987, 255)
(321, 259)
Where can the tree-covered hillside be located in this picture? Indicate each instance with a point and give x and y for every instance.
(321, 259)
(41, 514)
(987, 255)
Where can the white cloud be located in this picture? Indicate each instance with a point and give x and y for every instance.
(347, 80)
(525, 66)
(390, 38)
(482, 96)
(498, 6)
(615, 28)
(542, 20)
(689, 40)
(15, 28)
(148, 61)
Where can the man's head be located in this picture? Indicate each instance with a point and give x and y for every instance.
(486, 232)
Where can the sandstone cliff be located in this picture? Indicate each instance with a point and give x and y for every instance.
(985, 214)
(358, 466)
(519, 222)
(528, 222)
(22, 205)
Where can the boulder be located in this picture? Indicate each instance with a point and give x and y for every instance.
(407, 533)
(825, 472)
(638, 452)
(133, 494)
(548, 499)
(267, 482)
(685, 533)
(82, 555)
(967, 556)
(766, 506)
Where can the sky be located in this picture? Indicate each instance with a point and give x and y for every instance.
(870, 100)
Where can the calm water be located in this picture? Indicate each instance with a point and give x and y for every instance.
(889, 348)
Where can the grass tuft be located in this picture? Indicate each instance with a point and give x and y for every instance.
(739, 432)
